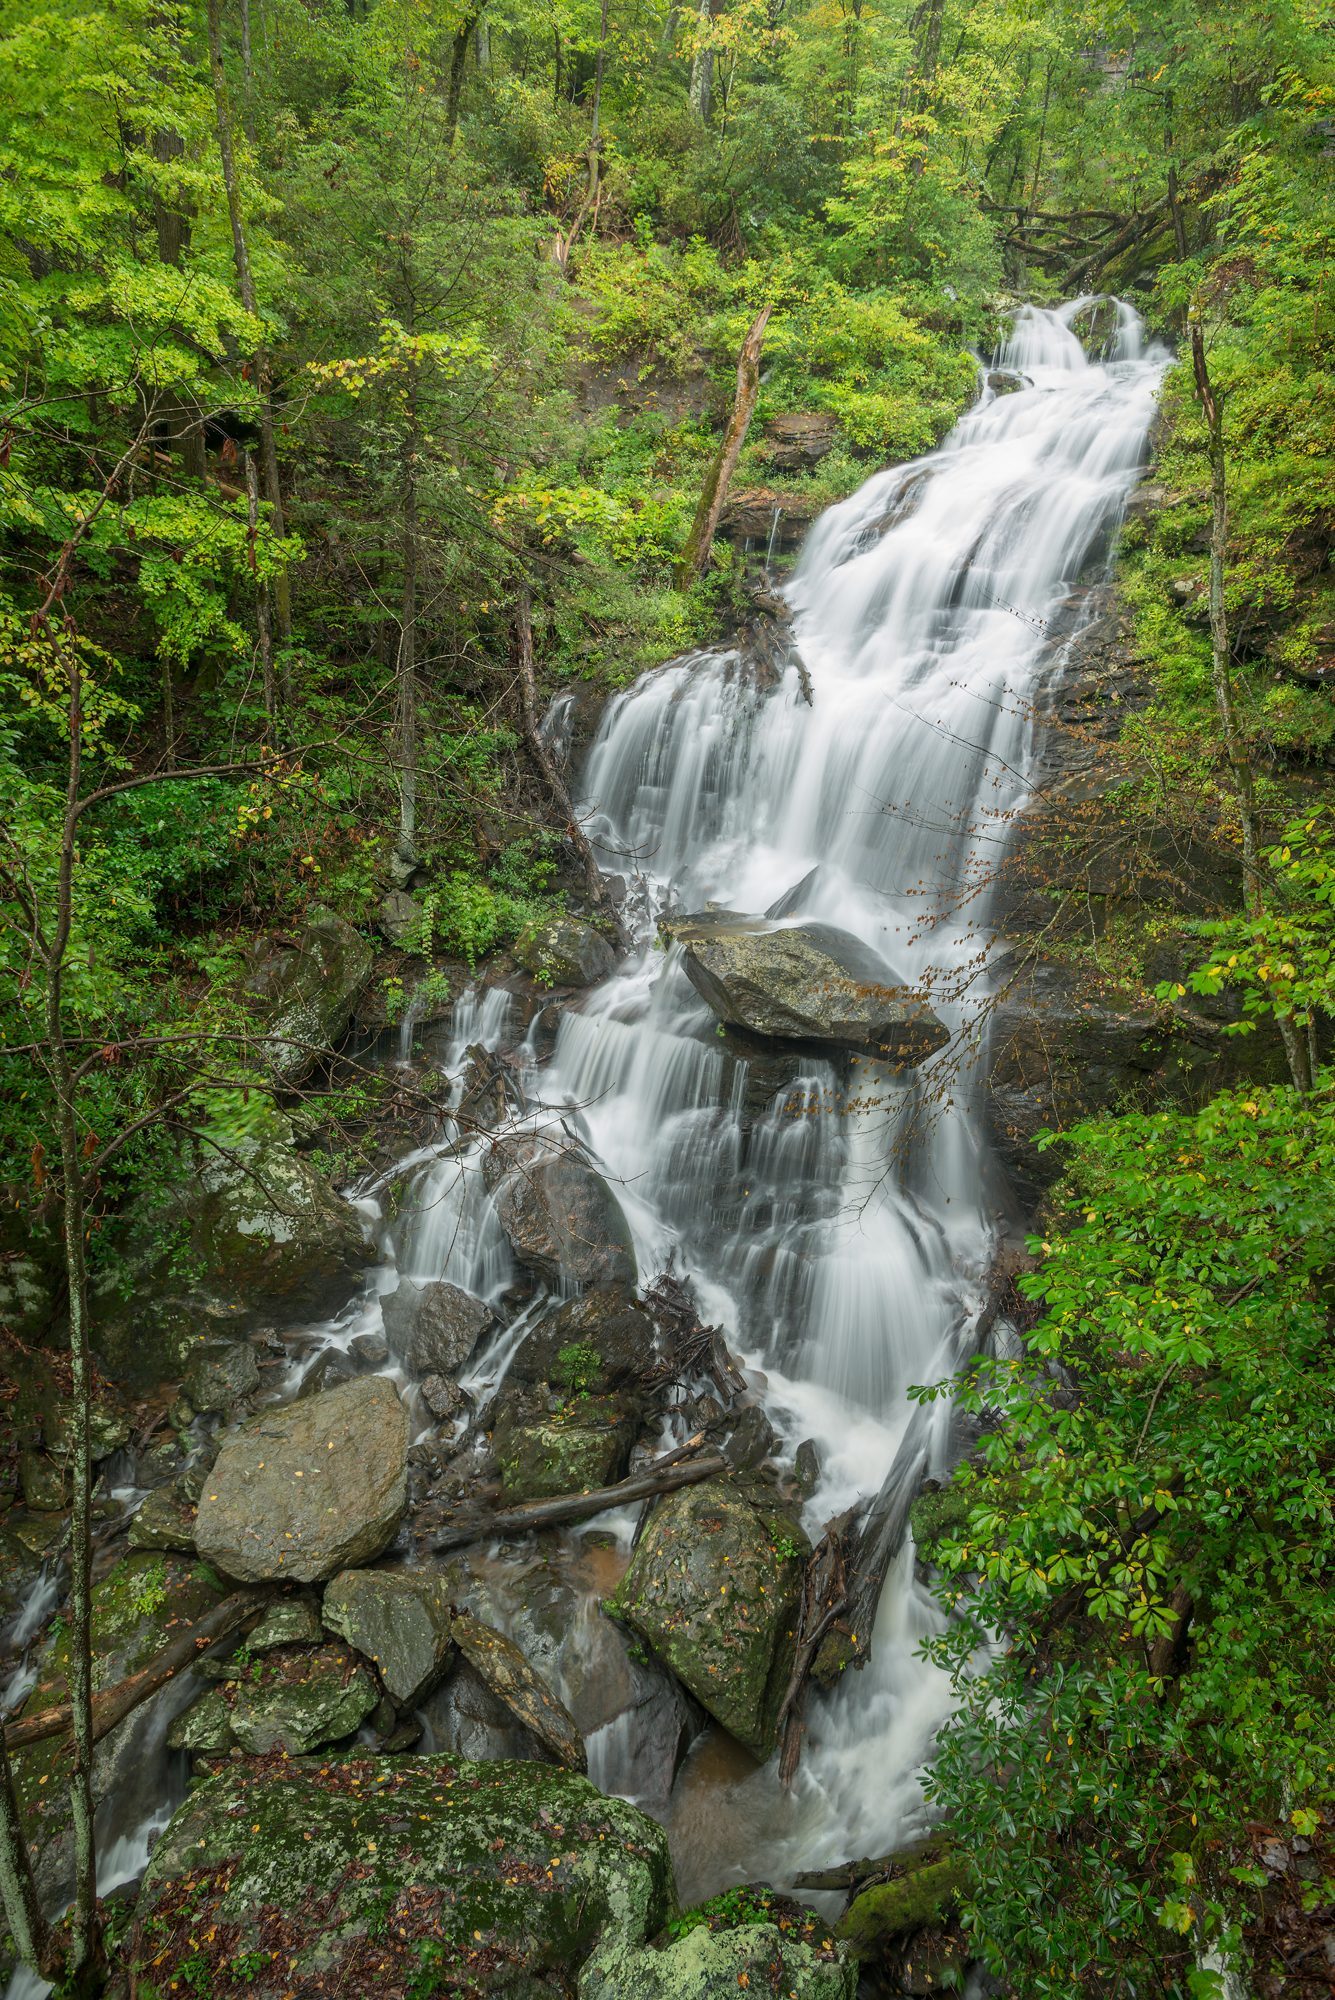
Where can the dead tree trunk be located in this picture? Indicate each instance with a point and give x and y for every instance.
(695, 555)
(666, 1476)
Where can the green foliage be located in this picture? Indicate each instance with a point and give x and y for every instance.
(1150, 1532)
(578, 1368)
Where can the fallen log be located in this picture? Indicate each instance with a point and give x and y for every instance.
(113, 1704)
(666, 1475)
(850, 1875)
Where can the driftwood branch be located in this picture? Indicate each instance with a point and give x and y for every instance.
(695, 555)
(113, 1704)
(545, 763)
(666, 1475)
(824, 1599)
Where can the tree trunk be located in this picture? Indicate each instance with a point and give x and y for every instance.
(18, 1892)
(263, 630)
(405, 670)
(84, 1921)
(1221, 673)
(702, 70)
(695, 555)
(458, 61)
(246, 285)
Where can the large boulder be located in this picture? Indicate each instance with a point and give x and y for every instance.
(805, 983)
(434, 1328)
(305, 988)
(713, 1587)
(385, 1876)
(400, 1620)
(560, 1216)
(300, 1493)
(564, 951)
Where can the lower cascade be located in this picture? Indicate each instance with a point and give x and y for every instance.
(771, 1106)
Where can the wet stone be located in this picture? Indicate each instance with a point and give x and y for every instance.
(300, 1493)
(295, 1621)
(166, 1520)
(309, 1700)
(327, 1371)
(220, 1372)
(583, 1444)
(445, 1399)
(369, 1350)
(399, 1620)
(434, 1328)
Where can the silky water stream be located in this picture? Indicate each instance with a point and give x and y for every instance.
(840, 1234)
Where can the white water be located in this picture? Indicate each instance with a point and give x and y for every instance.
(842, 1240)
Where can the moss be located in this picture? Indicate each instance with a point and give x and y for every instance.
(936, 1516)
(889, 1910)
(337, 1872)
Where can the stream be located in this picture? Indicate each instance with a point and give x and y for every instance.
(839, 1227)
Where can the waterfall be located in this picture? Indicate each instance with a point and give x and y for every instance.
(842, 1236)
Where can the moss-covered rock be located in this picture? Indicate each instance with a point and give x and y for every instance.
(298, 1701)
(713, 1587)
(300, 1493)
(305, 988)
(888, 1912)
(138, 1607)
(583, 1445)
(219, 1373)
(564, 951)
(293, 1621)
(166, 1520)
(400, 1620)
(601, 1341)
(708, 1964)
(363, 1876)
(937, 1515)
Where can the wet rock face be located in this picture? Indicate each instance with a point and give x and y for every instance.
(220, 1372)
(165, 1521)
(367, 1874)
(713, 1587)
(562, 1219)
(564, 951)
(808, 983)
(306, 988)
(400, 1620)
(434, 1328)
(134, 1604)
(602, 1341)
(300, 1493)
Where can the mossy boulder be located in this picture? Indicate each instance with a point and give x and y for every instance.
(709, 1964)
(166, 1520)
(304, 987)
(806, 983)
(292, 1702)
(883, 1919)
(584, 1444)
(400, 1620)
(138, 1607)
(364, 1876)
(564, 951)
(293, 1621)
(300, 1493)
(713, 1587)
(561, 1218)
(939, 1514)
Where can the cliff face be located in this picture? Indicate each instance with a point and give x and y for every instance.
(1104, 875)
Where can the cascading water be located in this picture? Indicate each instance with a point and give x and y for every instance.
(842, 1238)
(840, 1232)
